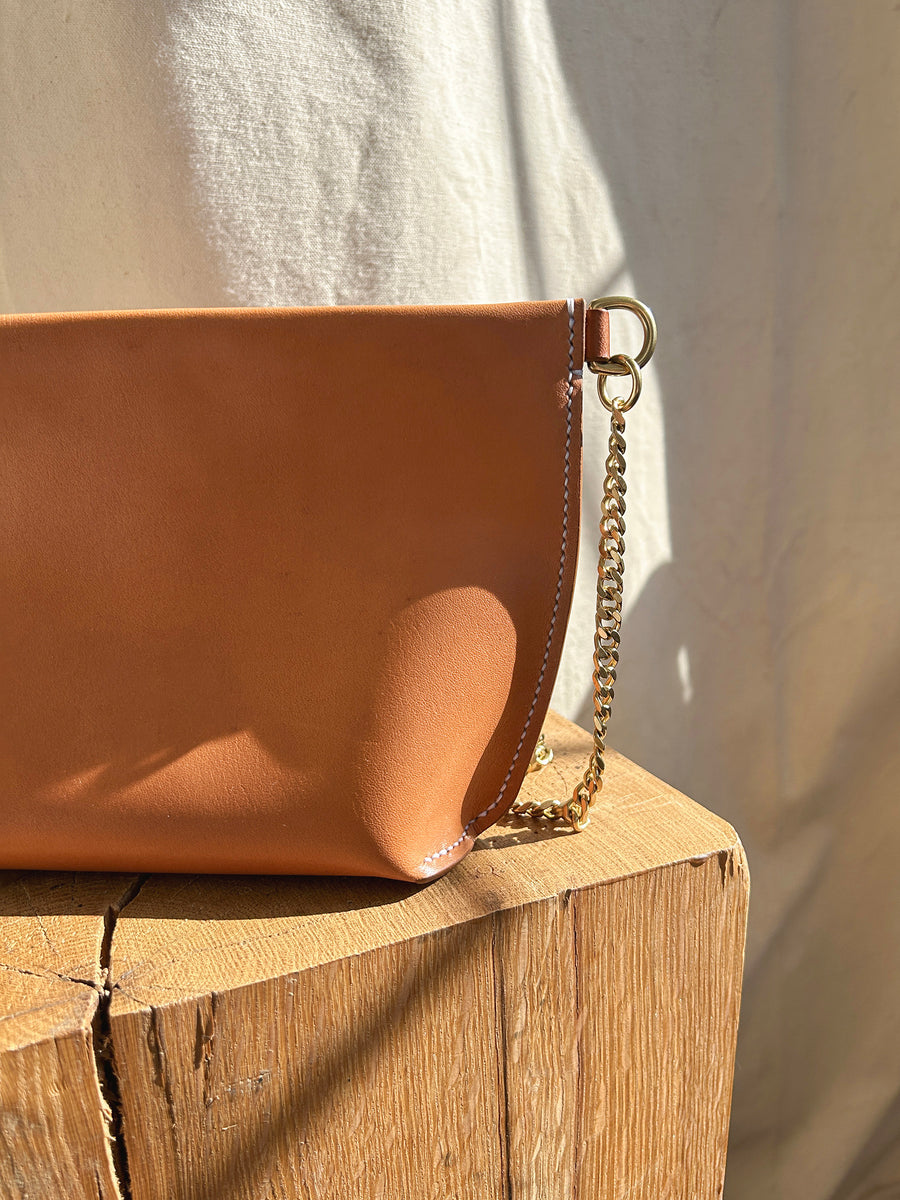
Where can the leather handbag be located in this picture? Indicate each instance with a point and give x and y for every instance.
(284, 590)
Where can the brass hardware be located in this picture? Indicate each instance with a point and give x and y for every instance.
(608, 618)
(549, 809)
(613, 365)
(610, 568)
(542, 757)
(621, 403)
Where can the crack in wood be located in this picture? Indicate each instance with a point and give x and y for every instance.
(48, 973)
(20, 883)
(156, 1044)
(104, 1057)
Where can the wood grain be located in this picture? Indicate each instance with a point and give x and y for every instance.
(556, 1018)
(55, 1135)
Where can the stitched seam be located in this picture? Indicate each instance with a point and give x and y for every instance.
(570, 378)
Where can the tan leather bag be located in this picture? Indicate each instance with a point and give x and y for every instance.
(283, 589)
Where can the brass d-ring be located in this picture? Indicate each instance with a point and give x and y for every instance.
(630, 367)
(611, 366)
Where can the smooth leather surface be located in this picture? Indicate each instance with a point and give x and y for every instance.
(596, 334)
(281, 590)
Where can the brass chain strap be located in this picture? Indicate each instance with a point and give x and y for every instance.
(608, 623)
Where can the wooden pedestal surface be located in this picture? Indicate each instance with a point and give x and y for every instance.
(553, 1020)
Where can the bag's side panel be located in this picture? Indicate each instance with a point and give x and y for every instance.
(281, 590)
(552, 510)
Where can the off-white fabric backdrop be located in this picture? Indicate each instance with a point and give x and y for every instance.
(734, 164)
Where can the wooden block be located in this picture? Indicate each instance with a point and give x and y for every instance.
(554, 1018)
(56, 1136)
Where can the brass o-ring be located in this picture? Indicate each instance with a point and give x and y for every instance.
(621, 403)
(606, 366)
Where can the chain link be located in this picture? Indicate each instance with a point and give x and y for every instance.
(610, 568)
(607, 630)
(606, 643)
